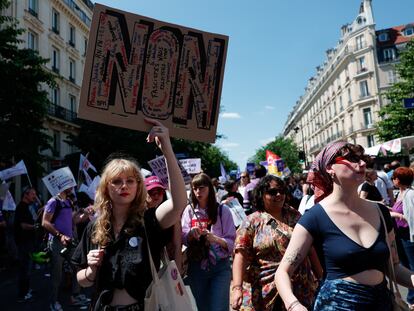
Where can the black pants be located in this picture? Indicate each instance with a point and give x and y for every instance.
(25, 267)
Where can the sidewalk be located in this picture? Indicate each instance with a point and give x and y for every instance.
(41, 285)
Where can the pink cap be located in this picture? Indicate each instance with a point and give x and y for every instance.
(153, 182)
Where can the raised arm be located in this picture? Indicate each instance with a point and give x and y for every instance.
(169, 212)
(299, 246)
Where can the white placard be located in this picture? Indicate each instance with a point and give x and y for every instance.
(237, 211)
(59, 181)
(159, 168)
(192, 166)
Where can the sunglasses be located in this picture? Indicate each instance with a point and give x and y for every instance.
(353, 158)
(243, 176)
(275, 191)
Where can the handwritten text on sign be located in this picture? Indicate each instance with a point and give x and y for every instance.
(140, 67)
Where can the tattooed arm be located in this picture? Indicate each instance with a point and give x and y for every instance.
(299, 246)
(403, 276)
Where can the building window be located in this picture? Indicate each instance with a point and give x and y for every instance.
(32, 40)
(370, 141)
(341, 106)
(361, 67)
(409, 31)
(363, 88)
(55, 60)
(55, 21)
(72, 70)
(55, 96)
(72, 101)
(367, 117)
(349, 96)
(392, 77)
(85, 45)
(72, 35)
(389, 54)
(56, 143)
(360, 42)
(383, 37)
(33, 7)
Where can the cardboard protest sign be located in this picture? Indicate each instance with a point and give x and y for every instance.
(140, 67)
(59, 181)
(192, 166)
(159, 168)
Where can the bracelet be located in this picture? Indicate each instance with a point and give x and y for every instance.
(86, 277)
(292, 305)
(238, 287)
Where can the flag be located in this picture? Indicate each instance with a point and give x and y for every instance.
(84, 166)
(223, 171)
(271, 159)
(18, 169)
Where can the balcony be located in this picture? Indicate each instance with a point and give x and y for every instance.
(78, 11)
(62, 113)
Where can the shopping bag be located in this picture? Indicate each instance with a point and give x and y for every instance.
(167, 291)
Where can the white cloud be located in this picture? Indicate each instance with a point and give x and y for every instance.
(269, 107)
(266, 140)
(230, 115)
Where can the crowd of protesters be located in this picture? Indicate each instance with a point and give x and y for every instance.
(310, 242)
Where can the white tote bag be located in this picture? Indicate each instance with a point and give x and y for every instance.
(167, 291)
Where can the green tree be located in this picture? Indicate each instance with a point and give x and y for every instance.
(397, 121)
(284, 148)
(23, 103)
(101, 140)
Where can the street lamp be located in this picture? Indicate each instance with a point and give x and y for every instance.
(296, 129)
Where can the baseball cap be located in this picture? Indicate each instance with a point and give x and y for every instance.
(153, 182)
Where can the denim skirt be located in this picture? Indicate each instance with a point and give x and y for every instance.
(343, 295)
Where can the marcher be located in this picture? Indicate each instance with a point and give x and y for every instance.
(156, 195)
(58, 221)
(403, 211)
(209, 233)
(231, 188)
(349, 236)
(113, 252)
(260, 245)
(368, 189)
(25, 237)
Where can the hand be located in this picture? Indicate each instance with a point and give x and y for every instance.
(158, 133)
(194, 233)
(212, 238)
(64, 240)
(94, 258)
(236, 299)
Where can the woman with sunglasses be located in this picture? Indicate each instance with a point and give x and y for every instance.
(113, 253)
(208, 232)
(260, 245)
(349, 235)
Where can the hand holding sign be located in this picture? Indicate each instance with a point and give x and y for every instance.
(158, 133)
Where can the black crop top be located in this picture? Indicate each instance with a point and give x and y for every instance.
(126, 262)
(341, 256)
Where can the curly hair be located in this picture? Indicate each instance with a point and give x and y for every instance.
(103, 206)
(203, 179)
(262, 187)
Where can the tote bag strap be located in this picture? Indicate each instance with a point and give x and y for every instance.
(153, 270)
(393, 283)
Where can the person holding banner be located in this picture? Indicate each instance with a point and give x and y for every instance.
(208, 232)
(113, 253)
(260, 245)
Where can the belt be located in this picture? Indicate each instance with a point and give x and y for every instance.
(134, 307)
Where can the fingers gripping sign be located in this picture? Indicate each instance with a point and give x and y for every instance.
(158, 133)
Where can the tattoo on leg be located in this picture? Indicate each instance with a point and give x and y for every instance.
(294, 258)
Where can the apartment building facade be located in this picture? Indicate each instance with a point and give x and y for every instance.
(58, 30)
(341, 102)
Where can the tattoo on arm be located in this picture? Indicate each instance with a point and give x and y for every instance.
(294, 258)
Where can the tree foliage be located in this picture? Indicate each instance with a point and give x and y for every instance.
(100, 140)
(284, 148)
(397, 121)
(23, 104)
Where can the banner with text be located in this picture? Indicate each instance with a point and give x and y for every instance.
(59, 181)
(140, 67)
(192, 166)
(159, 168)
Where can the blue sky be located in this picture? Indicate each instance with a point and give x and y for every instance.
(274, 47)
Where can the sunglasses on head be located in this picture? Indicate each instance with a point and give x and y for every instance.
(274, 191)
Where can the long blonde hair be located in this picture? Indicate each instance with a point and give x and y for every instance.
(103, 206)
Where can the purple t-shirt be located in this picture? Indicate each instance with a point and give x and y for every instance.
(63, 221)
(398, 207)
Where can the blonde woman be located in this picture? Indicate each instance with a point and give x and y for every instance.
(113, 251)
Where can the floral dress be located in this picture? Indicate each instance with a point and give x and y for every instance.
(263, 240)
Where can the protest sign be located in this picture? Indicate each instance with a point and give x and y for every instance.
(192, 166)
(8, 203)
(18, 169)
(159, 168)
(237, 211)
(140, 67)
(250, 168)
(59, 181)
